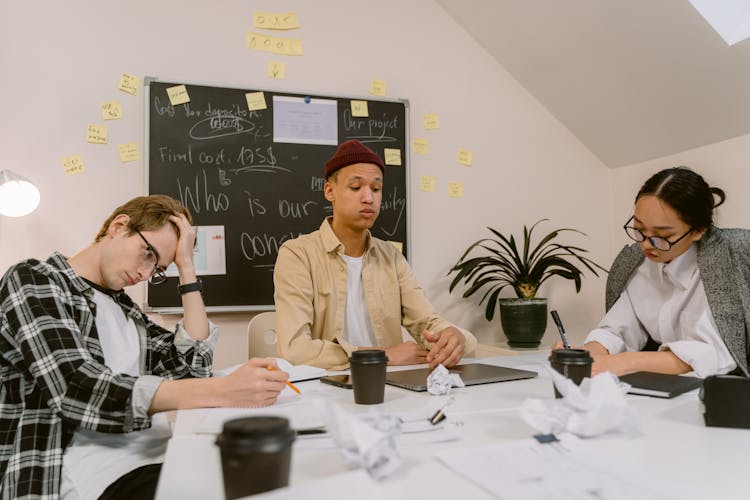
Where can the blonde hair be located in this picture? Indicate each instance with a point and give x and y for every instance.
(147, 213)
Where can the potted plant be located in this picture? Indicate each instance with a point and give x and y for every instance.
(491, 264)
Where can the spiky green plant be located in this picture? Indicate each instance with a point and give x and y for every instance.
(504, 264)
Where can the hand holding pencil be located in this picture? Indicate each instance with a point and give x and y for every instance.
(257, 382)
(289, 384)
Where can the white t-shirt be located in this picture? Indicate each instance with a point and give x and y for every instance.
(94, 460)
(669, 302)
(357, 327)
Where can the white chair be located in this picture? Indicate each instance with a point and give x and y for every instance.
(261, 336)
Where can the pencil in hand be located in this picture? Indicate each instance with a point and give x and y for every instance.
(291, 385)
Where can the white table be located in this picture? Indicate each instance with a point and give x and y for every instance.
(675, 453)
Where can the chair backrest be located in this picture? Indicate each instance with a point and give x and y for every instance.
(261, 335)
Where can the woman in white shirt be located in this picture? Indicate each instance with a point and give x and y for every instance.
(685, 307)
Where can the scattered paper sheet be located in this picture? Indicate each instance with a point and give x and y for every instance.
(128, 152)
(359, 109)
(377, 87)
(73, 165)
(276, 70)
(275, 45)
(392, 156)
(421, 146)
(178, 95)
(427, 183)
(111, 110)
(456, 189)
(256, 101)
(305, 121)
(465, 157)
(129, 84)
(397, 244)
(529, 469)
(431, 121)
(96, 134)
(275, 21)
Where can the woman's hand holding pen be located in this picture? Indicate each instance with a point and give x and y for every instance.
(256, 383)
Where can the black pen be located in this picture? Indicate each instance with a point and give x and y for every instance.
(314, 430)
(556, 319)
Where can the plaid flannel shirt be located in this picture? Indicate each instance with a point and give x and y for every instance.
(52, 374)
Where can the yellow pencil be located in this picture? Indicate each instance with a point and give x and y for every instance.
(291, 385)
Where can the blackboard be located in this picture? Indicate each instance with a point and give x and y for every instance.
(222, 161)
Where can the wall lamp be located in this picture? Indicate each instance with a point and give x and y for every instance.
(18, 196)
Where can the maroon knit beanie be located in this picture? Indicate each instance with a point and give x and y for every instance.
(351, 152)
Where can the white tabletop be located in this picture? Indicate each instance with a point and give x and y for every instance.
(674, 451)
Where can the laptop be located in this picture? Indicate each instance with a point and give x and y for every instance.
(471, 374)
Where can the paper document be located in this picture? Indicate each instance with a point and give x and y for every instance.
(527, 469)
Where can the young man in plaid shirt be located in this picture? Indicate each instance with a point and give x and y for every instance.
(84, 374)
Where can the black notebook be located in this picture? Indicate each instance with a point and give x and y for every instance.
(660, 385)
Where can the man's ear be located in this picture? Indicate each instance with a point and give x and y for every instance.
(120, 223)
(328, 191)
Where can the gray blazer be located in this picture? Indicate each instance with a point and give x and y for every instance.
(724, 266)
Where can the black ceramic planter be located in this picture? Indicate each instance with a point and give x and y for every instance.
(524, 321)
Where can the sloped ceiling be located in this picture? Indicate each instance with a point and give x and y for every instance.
(632, 79)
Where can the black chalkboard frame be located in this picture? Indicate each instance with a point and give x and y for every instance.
(161, 300)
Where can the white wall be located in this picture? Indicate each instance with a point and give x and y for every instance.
(60, 60)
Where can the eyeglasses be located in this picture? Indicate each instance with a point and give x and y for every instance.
(657, 242)
(151, 257)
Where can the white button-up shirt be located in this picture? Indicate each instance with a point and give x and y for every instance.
(668, 302)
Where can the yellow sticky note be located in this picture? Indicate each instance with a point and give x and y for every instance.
(129, 84)
(397, 244)
(96, 134)
(276, 70)
(275, 21)
(256, 101)
(431, 121)
(465, 157)
(73, 165)
(359, 108)
(377, 87)
(178, 95)
(111, 110)
(421, 146)
(427, 183)
(275, 45)
(392, 156)
(128, 152)
(456, 189)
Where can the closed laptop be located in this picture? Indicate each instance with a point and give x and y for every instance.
(471, 374)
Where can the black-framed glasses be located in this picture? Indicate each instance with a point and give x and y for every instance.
(657, 242)
(150, 257)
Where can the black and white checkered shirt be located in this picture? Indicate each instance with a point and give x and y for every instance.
(52, 374)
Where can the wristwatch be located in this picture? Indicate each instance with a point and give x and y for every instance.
(196, 286)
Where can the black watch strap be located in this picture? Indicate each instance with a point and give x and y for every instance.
(196, 286)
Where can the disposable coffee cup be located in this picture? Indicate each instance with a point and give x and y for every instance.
(255, 455)
(368, 376)
(574, 364)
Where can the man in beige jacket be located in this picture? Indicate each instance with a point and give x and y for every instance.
(339, 289)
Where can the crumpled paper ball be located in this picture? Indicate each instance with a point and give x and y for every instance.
(596, 407)
(440, 381)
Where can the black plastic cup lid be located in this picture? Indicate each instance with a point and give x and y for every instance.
(571, 356)
(367, 356)
(267, 434)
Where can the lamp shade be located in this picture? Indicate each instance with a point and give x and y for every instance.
(18, 196)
